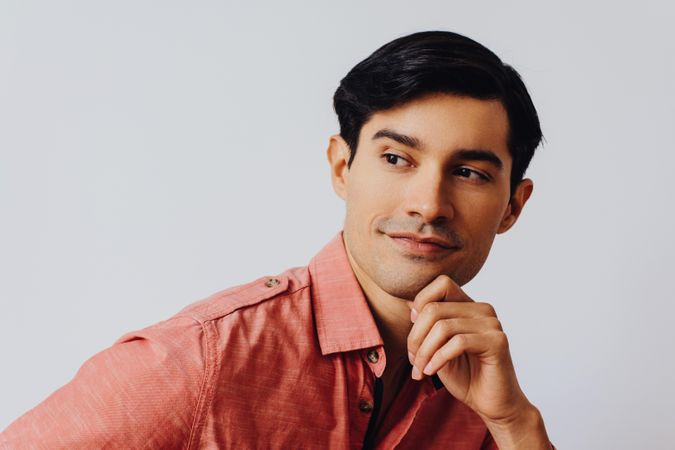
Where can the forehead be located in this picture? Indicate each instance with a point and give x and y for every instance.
(445, 123)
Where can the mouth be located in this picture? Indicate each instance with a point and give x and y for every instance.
(421, 245)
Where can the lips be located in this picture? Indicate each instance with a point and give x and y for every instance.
(425, 239)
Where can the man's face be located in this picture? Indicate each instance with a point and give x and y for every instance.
(429, 168)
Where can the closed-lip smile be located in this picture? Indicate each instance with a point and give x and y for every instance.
(424, 239)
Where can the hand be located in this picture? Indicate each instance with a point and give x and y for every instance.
(463, 342)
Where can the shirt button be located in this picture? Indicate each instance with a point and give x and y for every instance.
(373, 356)
(271, 282)
(365, 406)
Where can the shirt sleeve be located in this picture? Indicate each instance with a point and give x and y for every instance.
(142, 392)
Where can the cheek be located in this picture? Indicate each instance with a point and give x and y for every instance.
(477, 223)
(484, 211)
(370, 195)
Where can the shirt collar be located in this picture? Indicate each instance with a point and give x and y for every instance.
(343, 319)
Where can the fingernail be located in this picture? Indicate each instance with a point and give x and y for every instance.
(413, 315)
(416, 375)
(427, 369)
(411, 358)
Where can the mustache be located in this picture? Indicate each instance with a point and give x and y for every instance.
(411, 225)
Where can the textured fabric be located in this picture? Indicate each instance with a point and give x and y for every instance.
(278, 363)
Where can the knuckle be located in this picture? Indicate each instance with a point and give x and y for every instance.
(487, 309)
(421, 354)
(450, 325)
(430, 309)
(494, 323)
(502, 341)
(412, 344)
(460, 339)
(446, 278)
(439, 328)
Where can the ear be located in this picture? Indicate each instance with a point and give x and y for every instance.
(338, 157)
(516, 203)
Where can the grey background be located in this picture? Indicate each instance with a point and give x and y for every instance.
(152, 153)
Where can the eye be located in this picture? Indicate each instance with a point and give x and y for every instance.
(465, 172)
(393, 159)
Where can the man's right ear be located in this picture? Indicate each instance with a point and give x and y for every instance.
(338, 156)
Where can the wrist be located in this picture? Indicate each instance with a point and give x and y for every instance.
(526, 430)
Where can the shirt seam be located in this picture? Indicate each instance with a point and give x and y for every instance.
(277, 296)
(210, 364)
(209, 317)
(204, 398)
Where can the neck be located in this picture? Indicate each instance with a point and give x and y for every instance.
(392, 317)
(391, 314)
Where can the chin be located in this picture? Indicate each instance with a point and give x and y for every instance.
(406, 284)
(404, 287)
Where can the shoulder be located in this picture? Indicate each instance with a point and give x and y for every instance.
(268, 288)
(187, 328)
(160, 374)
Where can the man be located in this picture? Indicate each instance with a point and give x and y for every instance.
(373, 344)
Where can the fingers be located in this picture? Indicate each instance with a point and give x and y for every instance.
(443, 288)
(444, 338)
(494, 342)
(436, 311)
(440, 312)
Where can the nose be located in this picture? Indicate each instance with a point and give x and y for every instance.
(428, 196)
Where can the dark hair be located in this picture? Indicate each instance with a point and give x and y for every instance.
(437, 61)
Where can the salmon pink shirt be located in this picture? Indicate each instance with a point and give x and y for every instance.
(290, 361)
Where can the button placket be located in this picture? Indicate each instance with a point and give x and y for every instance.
(366, 402)
(376, 359)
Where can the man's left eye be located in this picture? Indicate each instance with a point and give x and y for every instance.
(465, 172)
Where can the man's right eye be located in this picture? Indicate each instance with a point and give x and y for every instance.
(393, 159)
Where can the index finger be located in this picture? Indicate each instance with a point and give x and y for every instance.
(442, 289)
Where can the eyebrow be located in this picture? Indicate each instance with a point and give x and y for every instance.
(404, 139)
(467, 154)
